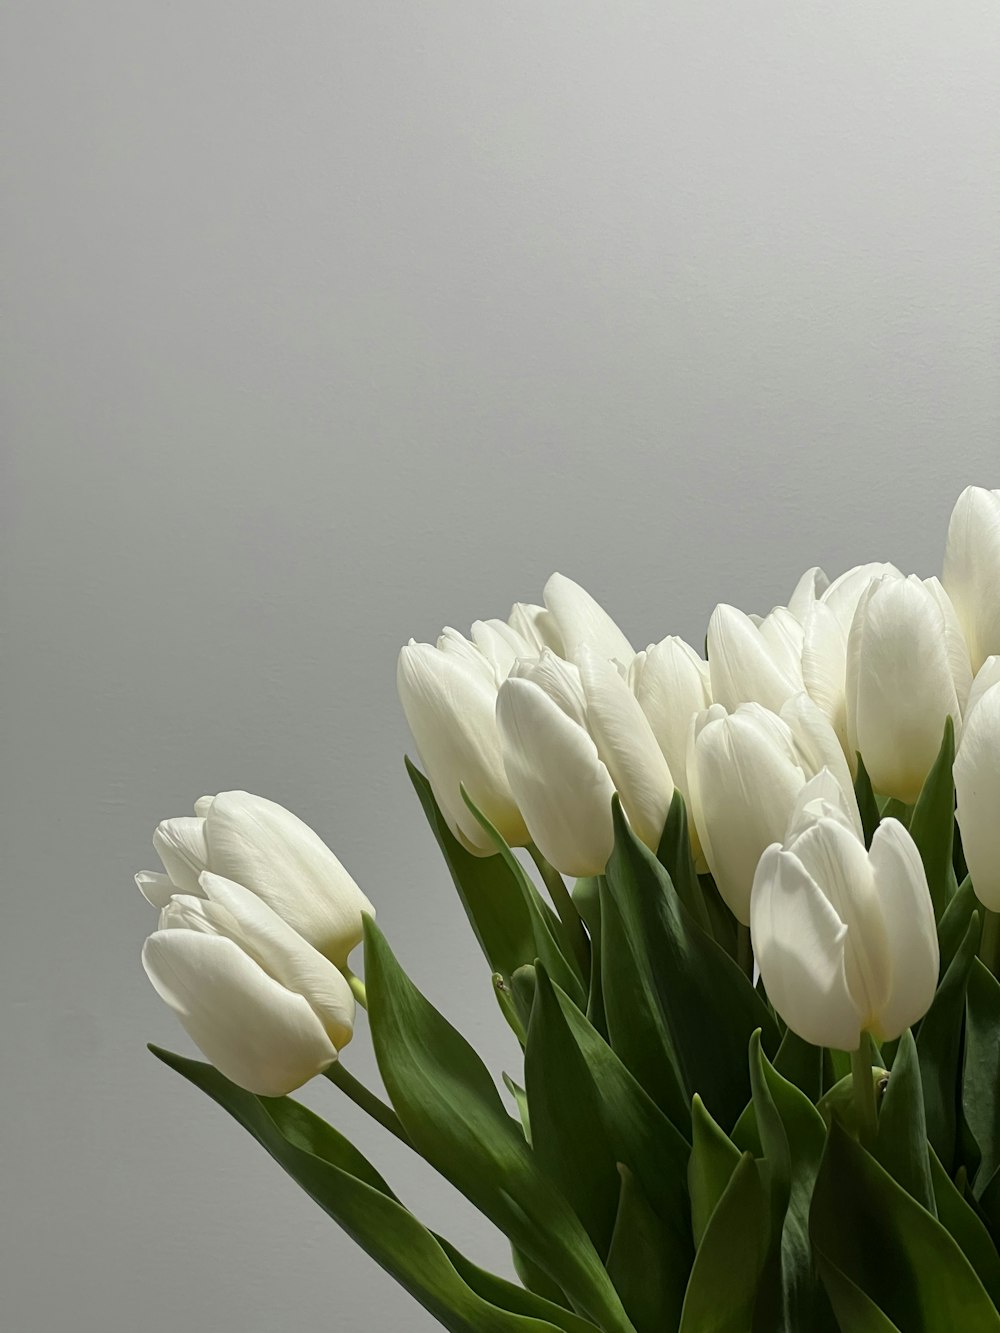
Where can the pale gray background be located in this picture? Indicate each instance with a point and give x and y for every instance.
(327, 324)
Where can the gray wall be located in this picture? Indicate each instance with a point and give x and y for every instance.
(331, 323)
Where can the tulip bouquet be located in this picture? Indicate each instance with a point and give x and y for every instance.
(742, 916)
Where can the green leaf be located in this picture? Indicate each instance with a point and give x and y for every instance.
(981, 1073)
(450, 1107)
(552, 944)
(964, 1224)
(725, 927)
(461, 1296)
(792, 1136)
(801, 1063)
(932, 823)
(635, 1261)
(587, 896)
(890, 1247)
(714, 1158)
(568, 1135)
(955, 922)
(867, 805)
(855, 1312)
(489, 891)
(668, 983)
(521, 1102)
(901, 1145)
(674, 854)
(939, 1046)
(722, 1289)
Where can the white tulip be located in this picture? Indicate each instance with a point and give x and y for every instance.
(816, 742)
(977, 787)
(845, 939)
(671, 683)
(449, 698)
(972, 570)
(810, 586)
(826, 624)
(744, 774)
(537, 625)
(273, 854)
(265, 1007)
(627, 745)
(754, 661)
(558, 778)
(583, 622)
(907, 670)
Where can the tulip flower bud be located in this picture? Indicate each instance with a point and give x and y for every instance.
(273, 854)
(826, 624)
(555, 773)
(450, 704)
(754, 661)
(671, 683)
(845, 939)
(809, 588)
(537, 626)
(977, 787)
(744, 773)
(907, 670)
(265, 1007)
(581, 621)
(972, 570)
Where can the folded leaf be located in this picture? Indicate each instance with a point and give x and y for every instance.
(714, 1158)
(901, 1145)
(867, 804)
(890, 1247)
(674, 854)
(640, 1241)
(461, 1296)
(969, 1231)
(939, 1046)
(450, 1107)
(981, 1073)
(955, 922)
(932, 824)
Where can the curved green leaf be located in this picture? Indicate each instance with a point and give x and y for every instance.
(714, 1158)
(932, 823)
(641, 1240)
(722, 1290)
(981, 1072)
(939, 1046)
(901, 1145)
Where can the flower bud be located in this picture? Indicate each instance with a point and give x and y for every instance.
(977, 788)
(265, 1007)
(581, 621)
(272, 853)
(972, 570)
(754, 661)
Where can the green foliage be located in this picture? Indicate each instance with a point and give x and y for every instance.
(932, 824)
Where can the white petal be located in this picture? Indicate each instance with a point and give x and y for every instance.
(451, 711)
(798, 942)
(560, 680)
(255, 1032)
(815, 740)
(500, 644)
(742, 664)
(270, 851)
(911, 934)
(180, 845)
(810, 586)
(155, 888)
(845, 592)
(450, 641)
(626, 743)
(985, 678)
(537, 625)
(824, 668)
(958, 651)
(558, 778)
(202, 806)
(972, 569)
(285, 955)
(977, 786)
(581, 620)
(824, 796)
(671, 683)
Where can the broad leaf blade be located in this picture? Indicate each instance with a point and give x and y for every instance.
(981, 1073)
(901, 1145)
(939, 1046)
(932, 824)
(635, 1261)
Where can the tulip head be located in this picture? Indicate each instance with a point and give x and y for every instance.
(845, 938)
(671, 683)
(272, 853)
(754, 661)
(449, 698)
(580, 621)
(972, 570)
(265, 1007)
(977, 788)
(907, 670)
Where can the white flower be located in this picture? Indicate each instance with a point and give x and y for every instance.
(583, 622)
(845, 939)
(754, 660)
(269, 851)
(977, 787)
(449, 696)
(972, 570)
(907, 670)
(265, 1007)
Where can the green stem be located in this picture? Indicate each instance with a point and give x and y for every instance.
(989, 945)
(744, 949)
(357, 987)
(367, 1100)
(565, 907)
(864, 1091)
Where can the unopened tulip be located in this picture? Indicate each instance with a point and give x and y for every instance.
(672, 684)
(265, 1007)
(844, 938)
(972, 570)
(826, 624)
(273, 854)
(558, 778)
(744, 774)
(754, 661)
(977, 787)
(583, 622)
(907, 671)
(537, 625)
(449, 698)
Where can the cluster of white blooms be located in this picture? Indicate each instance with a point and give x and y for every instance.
(540, 718)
